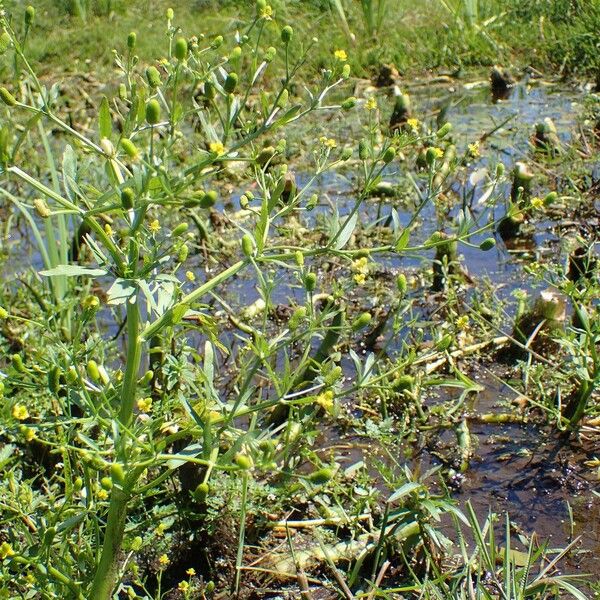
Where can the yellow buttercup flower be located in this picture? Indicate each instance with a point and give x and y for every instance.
(144, 405)
(217, 148)
(462, 322)
(164, 560)
(438, 152)
(6, 550)
(413, 123)
(191, 571)
(267, 12)
(537, 203)
(189, 275)
(20, 412)
(325, 401)
(102, 494)
(3, 313)
(340, 55)
(371, 103)
(154, 226)
(474, 150)
(183, 586)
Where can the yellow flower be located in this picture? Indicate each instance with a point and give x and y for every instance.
(102, 494)
(474, 150)
(160, 530)
(183, 586)
(108, 229)
(6, 550)
(191, 571)
(462, 322)
(217, 148)
(267, 12)
(3, 313)
(90, 302)
(189, 275)
(413, 123)
(164, 560)
(371, 103)
(20, 412)
(154, 226)
(537, 203)
(438, 152)
(325, 401)
(27, 433)
(360, 278)
(360, 265)
(144, 405)
(340, 55)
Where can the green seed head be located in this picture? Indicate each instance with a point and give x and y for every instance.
(270, 54)
(550, 199)
(346, 71)
(153, 112)
(261, 5)
(209, 199)
(179, 230)
(93, 371)
(217, 42)
(5, 42)
(235, 53)
(286, 34)
(363, 149)
(106, 483)
(209, 90)
(500, 168)
(7, 97)
(117, 472)
(170, 14)
(184, 250)
(54, 379)
(297, 317)
(346, 154)
(201, 492)
(321, 476)
(29, 15)
(247, 245)
(487, 244)
(129, 148)
(310, 282)
(349, 103)
(230, 83)
(41, 208)
(361, 321)
(181, 49)
(389, 155)
(127, 198)
(401, 284)
(444, 130)
(17, 363)
(243, 461)
(131, 40)
(153, 77)
(283, 99)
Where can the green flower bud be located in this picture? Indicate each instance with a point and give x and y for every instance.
(7, 97)
(260, 5)
(77, 484)
(389, 155)
(401, 284)
(122, 91)
(243, 461)
(106, 483)
(131, 41)
(235, 53)
(363, 149)
(117, 473)
(127, 198)
(346, 71)
(500, 168)
(286, 34)
(346, 154)
(29, 15)
(170, 14)
(209, 90)
(431, 156)
(201, 492)
(361, 321)
(312, 202)
(217, 42)
(137, 543)
(230, 83)
(153, 112)
(129, 148)
(403, 382)
(247, 245)
(299, 258)
(444, 130)
(72, 375)
(153, 77)
(180, 230)
(209, 588)
(54, 379)
(181, 49)
(551, 198)
(147, 378)
(244, 201)
(487, 244)
(349, 103)
(321, 476)
(310, 282)
(93, 371)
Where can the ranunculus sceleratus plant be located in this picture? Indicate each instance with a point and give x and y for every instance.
(207, 107)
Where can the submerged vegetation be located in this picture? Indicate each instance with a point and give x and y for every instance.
(266, 304)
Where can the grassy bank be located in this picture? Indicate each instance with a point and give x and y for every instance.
(558, 37)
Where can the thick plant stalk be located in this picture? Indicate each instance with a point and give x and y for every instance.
(108, 567)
